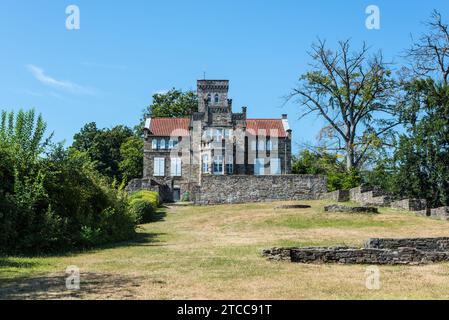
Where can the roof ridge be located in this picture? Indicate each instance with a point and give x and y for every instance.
(264, 119)
(170, 118)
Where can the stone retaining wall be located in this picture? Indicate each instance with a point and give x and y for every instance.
(356, 194)
(338, 195)
(367, 196)
(410, 204)
(441, 213)
(427, 244)
(367, 256)
(376, 251)
(370, 197)
(244, 188)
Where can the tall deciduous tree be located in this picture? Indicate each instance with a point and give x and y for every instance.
(174, 103)
(430, 53)
(422, 157)
(131, 152)
(352, 92)
(103, 147)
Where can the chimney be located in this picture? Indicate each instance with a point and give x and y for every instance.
(244, 110)
(284, 116)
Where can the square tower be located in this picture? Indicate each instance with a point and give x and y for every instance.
(212, 93)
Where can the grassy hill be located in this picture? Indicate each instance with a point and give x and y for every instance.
(214, 252)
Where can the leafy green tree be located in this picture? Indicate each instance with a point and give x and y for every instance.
(131, 152)
(172, 104)
(103, 147)
(422, 157)
(326, 164)
(52, 198)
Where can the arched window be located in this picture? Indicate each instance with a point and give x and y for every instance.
(209, 98)
(216, 98)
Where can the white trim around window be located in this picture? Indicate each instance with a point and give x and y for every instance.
(175, 167)
(205, 163)
(259, 166)
(275, 166)
(159, 167)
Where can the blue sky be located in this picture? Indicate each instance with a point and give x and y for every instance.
(127, 50)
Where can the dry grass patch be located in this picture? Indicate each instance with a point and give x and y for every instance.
(213, 252)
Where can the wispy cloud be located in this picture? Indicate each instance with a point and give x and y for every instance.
(64, 85)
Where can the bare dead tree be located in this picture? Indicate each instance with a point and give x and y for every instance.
(352, 92)
(429, 55)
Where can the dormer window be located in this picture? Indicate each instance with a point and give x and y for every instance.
(216, 98)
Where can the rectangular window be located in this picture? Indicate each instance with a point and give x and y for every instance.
(269, 145)
(205, 163)
(218, 165)
(158, 143)
(261, 145)
(219, 134)
(159, 167)
(227, 133)
(253, 145)
(154, 144)
(175, 167)
(275, 166)
(259, 169)
(230, 165)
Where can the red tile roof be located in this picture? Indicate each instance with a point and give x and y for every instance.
(165, 127)
(267, 127)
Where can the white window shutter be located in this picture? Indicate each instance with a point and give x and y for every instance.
(261, 145)
(175, 167)
(253, 145)
(178, 167)
(159, 167)
(275, 166)
(259, 169)
(162, 167)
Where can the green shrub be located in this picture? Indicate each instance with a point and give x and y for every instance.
(185, 196)
(143, 205)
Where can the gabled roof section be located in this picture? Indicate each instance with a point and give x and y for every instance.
(266, 127)
(166, 127)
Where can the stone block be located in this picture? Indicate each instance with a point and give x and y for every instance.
(410, 204)
(441, 213)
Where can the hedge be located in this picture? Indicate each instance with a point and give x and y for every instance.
(143, 205)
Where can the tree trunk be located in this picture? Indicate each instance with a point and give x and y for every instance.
(349, 157)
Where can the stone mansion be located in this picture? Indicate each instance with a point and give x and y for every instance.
(214, 141)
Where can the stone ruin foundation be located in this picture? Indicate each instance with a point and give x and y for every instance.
(348, 209)
(409, 251)
(293, 206)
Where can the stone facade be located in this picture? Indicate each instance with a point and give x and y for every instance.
(240, 188)
(376, 251)
(181, 153)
